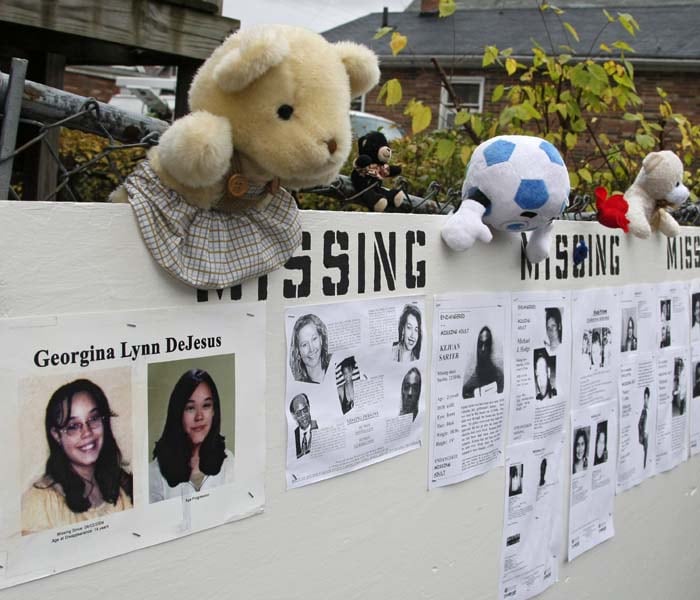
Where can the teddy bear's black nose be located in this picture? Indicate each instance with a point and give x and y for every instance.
(332, 145)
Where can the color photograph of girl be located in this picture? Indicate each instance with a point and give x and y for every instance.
(191, 455)
(86, 476)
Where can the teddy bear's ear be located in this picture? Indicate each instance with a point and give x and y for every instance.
(258, 51)
(651, 161)
(361, 64)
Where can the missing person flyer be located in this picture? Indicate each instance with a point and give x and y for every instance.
(541, 374)
(596, 346)
(674, 315)
(532, 521)
(126, 429)
(673, 406)
(593, 475)
(469, 385)
(356, 379)
(638, 323)
(695, 367)
(638, 408)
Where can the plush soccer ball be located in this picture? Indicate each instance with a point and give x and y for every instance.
(513, 183)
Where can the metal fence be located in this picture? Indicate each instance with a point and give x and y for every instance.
(38, 112)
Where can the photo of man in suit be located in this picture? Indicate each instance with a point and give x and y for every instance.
(301, 410)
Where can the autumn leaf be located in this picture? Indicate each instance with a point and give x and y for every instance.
(381, 32)
(398, 42)
(447, 7)
(445, 150)
(570, 28)
(393, 92)
(461, 117)
(421, 115)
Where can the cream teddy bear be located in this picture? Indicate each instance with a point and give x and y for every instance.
(658, 185)
(270, 108)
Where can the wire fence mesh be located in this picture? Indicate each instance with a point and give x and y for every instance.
(87, 149)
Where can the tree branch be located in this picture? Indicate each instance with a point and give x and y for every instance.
(455, 100)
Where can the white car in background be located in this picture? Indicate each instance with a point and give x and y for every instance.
(362, 123)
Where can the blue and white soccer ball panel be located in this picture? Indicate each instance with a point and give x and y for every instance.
(522, 180)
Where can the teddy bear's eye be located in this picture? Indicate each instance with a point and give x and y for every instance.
(285, 112)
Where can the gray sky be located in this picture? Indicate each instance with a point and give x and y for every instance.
(318, 15)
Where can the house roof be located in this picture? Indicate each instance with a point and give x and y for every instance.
(667, 37)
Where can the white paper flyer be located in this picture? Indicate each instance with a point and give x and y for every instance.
(541, 373)
(469, 386)
(127, 429)
(356, 379)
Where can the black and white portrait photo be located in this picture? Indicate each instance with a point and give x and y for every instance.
(593, 348)
(410, 393)
(346, 374)
(679, 395)
(300, 408)
(485, 367)
(696, 380)
(600, 454)
(407, 347)
(515, 480)
(629, 329)
(642, 425)
(665, 323)
(545, 371)
(695, 317)
(579, 463)
(543, 472)
(308, 353)
(553, 326)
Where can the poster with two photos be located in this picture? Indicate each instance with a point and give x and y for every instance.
(125, 429)
(594, 409)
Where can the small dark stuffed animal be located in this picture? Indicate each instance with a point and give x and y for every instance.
(370, 169)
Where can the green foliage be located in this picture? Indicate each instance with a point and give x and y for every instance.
(569, 102)
(95, 178)
(432, 157)
(577, 104)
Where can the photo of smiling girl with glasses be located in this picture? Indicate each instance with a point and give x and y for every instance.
(85, 476)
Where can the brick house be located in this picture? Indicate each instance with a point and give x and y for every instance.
(666, 55)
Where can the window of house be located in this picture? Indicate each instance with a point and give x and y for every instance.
(358, 103)
(470, 92)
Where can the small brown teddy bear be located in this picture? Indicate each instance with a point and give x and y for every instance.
(270, 108)
(658, 185)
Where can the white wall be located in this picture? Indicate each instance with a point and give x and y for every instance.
(375, 533)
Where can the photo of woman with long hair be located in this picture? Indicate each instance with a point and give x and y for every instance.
(191, 454)
(580, 453)
(485, 370)
(408, 346)
(85, 476)
(308, 352)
